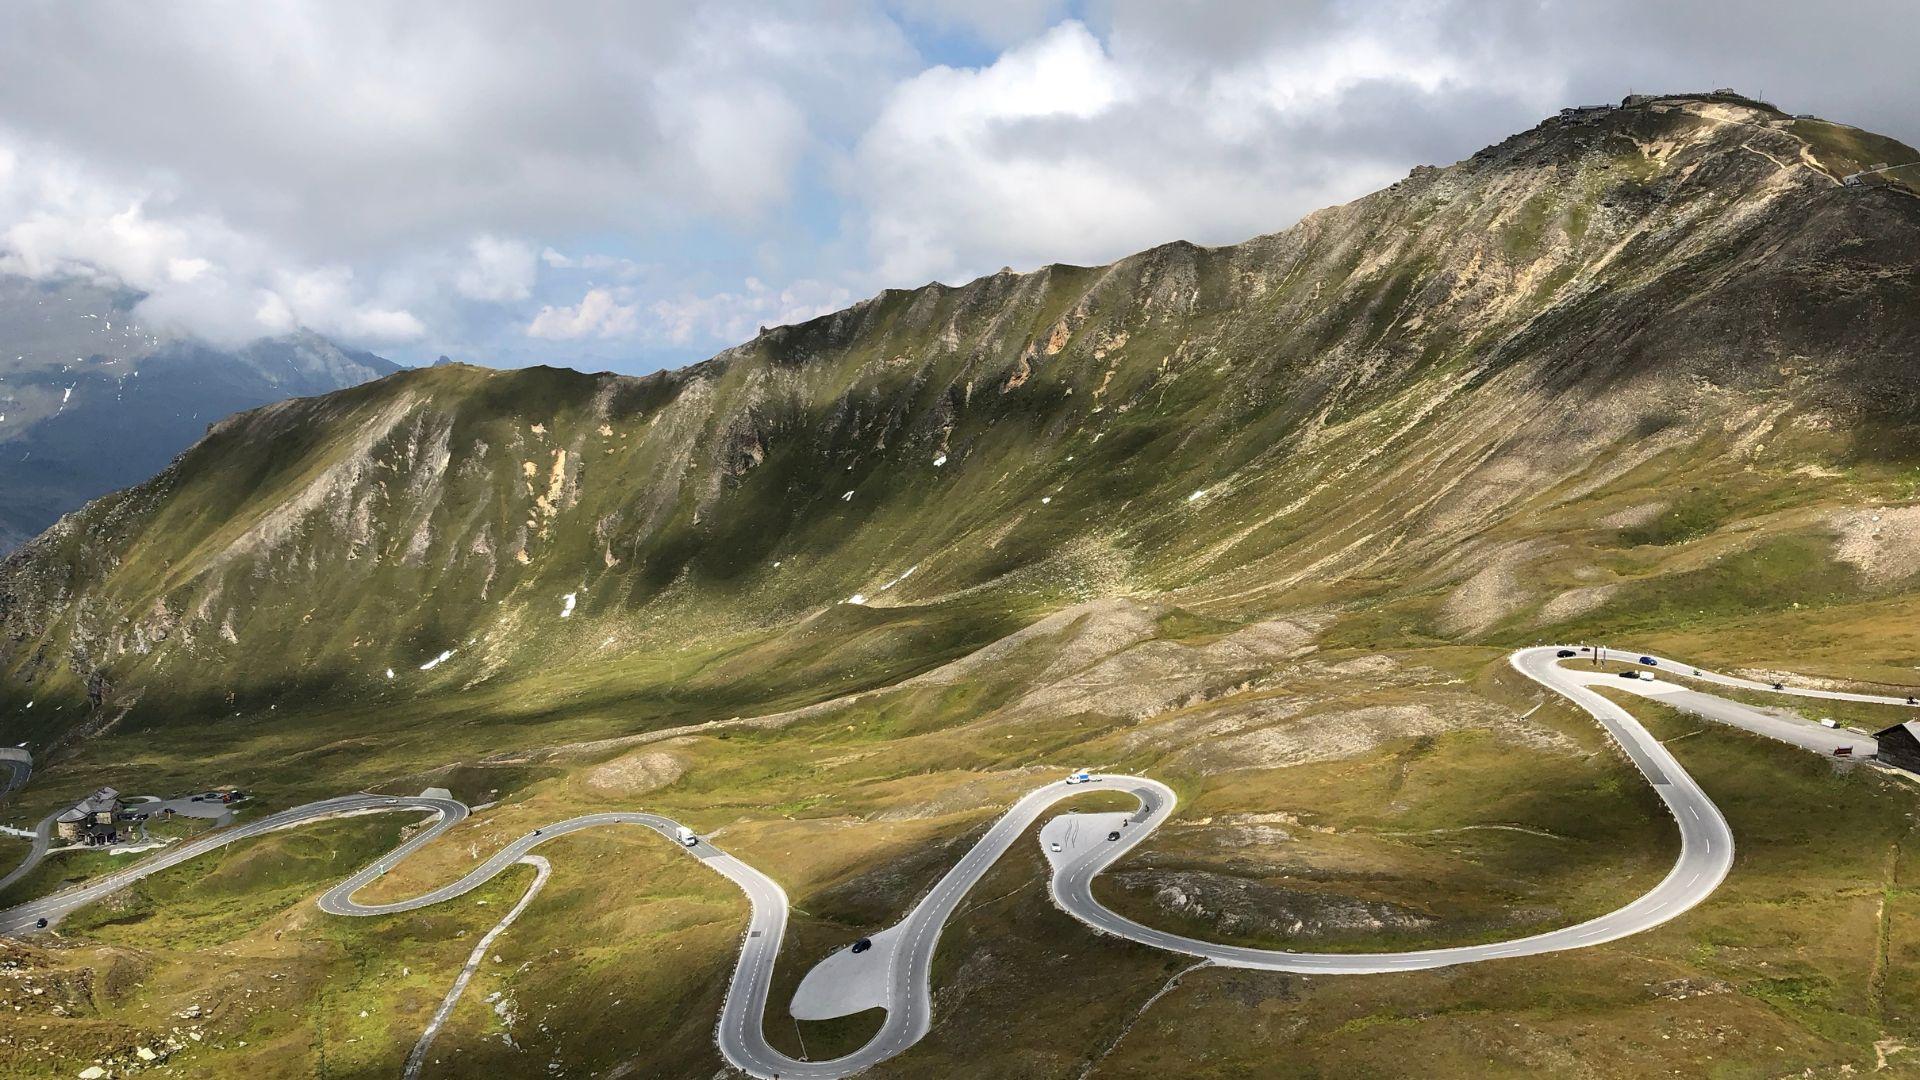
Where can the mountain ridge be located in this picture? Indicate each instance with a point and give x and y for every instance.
(1374, 409)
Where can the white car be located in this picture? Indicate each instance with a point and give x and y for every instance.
(1081, 777)
(1055, 847)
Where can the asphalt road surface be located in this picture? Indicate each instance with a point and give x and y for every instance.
(1706, 854)
(42, 840)
(1788, 729)
(19, 766)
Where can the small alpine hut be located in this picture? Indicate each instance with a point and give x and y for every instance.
(1900, 745)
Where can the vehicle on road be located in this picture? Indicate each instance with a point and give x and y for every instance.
(1629, 674)
(40, 924)
(863, 945)
(1114, 835)
(686, 836)
(536, 832)
(1779, 686)
(1081, 777)
(1827, 722)
(1649, 661)
(1564, 653)
(1055, 847)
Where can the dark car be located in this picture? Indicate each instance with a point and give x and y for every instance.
(862, 945)
(1779, 686)
(1114, 835)
(40, 924)
(1564, 653)
(1649, 661)
(1629, 674)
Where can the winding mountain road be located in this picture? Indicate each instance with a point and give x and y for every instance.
(899, 971)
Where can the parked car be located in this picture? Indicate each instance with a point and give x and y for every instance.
(1055, 847)
(1629, 674)
(863, 945)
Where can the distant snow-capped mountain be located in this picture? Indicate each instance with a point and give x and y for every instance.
(92, 401)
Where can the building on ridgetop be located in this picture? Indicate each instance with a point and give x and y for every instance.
(1900, 745)
(94, 819)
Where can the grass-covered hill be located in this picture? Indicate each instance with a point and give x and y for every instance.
(1425, 402)
(1260, 521)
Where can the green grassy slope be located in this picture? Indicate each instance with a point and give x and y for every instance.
(1261, 521)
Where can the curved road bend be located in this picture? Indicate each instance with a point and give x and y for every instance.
(19, 765)
(1706, 854)
(55, 906)
(1676, 669)
(42, 840)
(1705, 857)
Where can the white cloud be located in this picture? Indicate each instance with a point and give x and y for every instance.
(200, 275)
(498, 270)
(598, 314)
(455, 173)
(1070, 149)
(432, 148)
(738, 315)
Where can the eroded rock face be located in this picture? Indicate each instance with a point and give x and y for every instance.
(1882, 542)
(637, 773)
(1241, 906)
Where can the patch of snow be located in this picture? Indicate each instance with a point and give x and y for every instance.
(1045, 499)
(68, 395)
(389, 673)
(857, 598)
(904, 574)
(437, 661)
(1195, 497)
(566, 607)
(939, 460)
(848, 497)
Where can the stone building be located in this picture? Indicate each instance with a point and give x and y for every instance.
(94, 819)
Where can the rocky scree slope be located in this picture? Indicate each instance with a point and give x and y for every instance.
(1352, 409)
